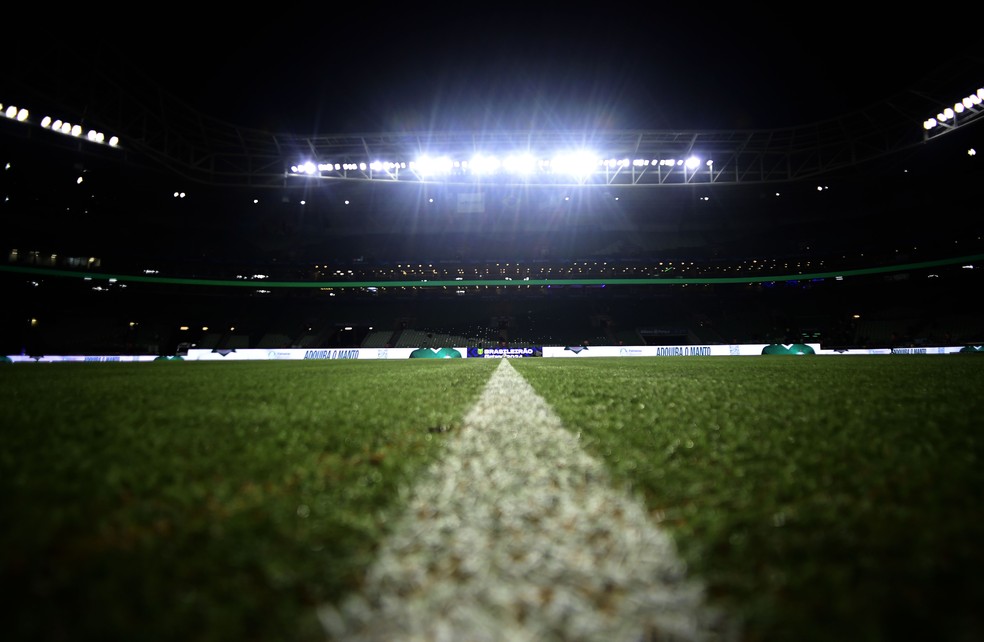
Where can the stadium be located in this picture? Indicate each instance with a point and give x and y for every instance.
(762, 422)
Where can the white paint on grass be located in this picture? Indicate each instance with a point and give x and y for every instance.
(517, 534)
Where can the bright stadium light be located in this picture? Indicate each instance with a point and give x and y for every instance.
(483, 164)
(579, 163)
(427, 166)
(967, 105)
(23, 115)
(523, 164)
(20, 114)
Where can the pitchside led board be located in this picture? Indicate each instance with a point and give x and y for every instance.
(580, 352)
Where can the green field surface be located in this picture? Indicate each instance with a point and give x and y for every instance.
(206, 501)
(818, 497)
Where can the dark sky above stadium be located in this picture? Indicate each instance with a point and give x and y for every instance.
(307, 68)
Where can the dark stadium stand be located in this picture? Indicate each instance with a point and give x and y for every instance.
(915, 307)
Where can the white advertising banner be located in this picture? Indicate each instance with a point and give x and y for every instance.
(928, 350)
(580, 352)
(299, 354)
(722, 350)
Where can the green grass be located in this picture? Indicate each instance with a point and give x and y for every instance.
(821, 498)
(206, 501)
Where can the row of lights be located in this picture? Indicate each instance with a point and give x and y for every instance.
(950, 113)
(22, 115)
(575, 164)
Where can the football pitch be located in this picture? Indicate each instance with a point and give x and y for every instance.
(794, 497)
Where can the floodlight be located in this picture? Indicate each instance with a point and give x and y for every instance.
(579, 163)
(427, 166)
(519, 164)
(481, 164)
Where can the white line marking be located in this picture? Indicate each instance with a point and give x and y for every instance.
(517, 534)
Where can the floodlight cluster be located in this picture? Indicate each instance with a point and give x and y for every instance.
(971, 102)
(574, 164)
(23, 115)
(12, 112)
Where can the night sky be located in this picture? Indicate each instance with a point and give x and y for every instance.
(316, 69)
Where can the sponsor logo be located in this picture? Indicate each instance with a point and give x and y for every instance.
(787, 348)
(498, 353)
(331, 354)
(629, 352)
(683, 351)
(435, 353)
